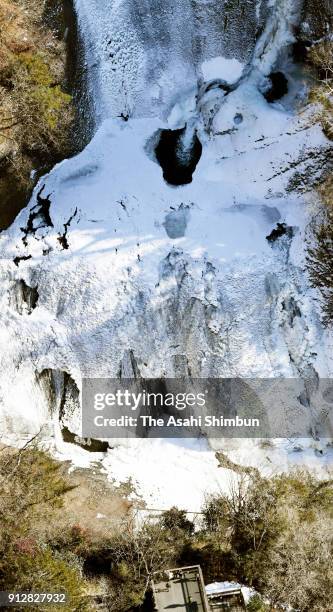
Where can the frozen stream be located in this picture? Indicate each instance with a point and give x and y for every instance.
(182, 279)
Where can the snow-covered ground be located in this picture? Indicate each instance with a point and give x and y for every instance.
(183, 277)
(184, 473)
(225, 587)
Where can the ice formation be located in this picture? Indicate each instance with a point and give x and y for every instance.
(180, 279)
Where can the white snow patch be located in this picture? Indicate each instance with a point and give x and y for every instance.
(225, 587)
(169, 472)
(230, 70)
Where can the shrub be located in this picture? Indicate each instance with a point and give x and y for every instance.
(175, 519)
(256, 604)
(32, 488)
(31, 484)
(272, 533)
(321, 58)
(136, 554)
(37, 95)
(215, 514)
(42, 571)
(281, 527)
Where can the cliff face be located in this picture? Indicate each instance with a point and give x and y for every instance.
(178, 233)
(35, 113)
(152, 50)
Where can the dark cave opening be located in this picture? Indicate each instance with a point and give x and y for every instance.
(278, 88)
(178, 153)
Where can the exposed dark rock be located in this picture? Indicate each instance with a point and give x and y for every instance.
(61, 392)
(24, 298)
(217, 84)
(39, 216)
(17, 260)
(62, 238)
(50, 381)
(300, 50)
(14, 193)
(62, 395)
(129, 367)
(293, 310)
(282, 229)
(70, 397)
(61, 17)
(89, 444)
(310, 169)
(316, 20)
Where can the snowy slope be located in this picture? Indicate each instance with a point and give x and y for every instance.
(183, 277)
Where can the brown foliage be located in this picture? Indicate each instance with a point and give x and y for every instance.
(321, 58)
(280, 537)
(32, 487)
(35, 112)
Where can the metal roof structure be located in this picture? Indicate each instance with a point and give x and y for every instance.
(181, 588)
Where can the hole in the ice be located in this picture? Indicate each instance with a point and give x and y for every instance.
(178, 153)
(281, 229)
(238, 119)
(176, 222)
(277, 87)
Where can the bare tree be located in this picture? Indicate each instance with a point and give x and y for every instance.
(136, 554)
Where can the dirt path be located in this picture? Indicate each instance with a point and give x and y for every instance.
(94, 504)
